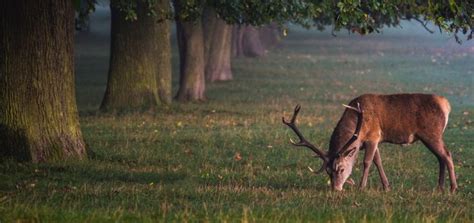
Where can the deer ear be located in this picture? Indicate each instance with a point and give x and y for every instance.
(349, 152)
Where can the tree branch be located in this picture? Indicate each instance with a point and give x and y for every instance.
(424, 25)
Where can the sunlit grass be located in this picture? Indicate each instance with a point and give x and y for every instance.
(229, 159)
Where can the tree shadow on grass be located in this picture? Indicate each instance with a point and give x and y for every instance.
(15, 175)
(92, 174)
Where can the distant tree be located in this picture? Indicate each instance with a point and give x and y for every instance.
(140, 57)
(271, 35)
(247, 42)
(189, 34)
(217, 47)
(38, 113)
(358, 16)
(251, 41)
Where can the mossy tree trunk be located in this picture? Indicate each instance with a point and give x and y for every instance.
(38, 113)
(191, 59)
(139, 69)
(217, 47)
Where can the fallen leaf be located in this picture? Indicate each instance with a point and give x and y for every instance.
(237, 156)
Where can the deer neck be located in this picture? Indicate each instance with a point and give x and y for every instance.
(342, 133)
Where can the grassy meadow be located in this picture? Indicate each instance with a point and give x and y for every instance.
(229, 159)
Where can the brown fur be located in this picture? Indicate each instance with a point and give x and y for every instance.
(399, 119)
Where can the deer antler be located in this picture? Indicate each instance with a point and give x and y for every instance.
(303, 141)
(355, 136)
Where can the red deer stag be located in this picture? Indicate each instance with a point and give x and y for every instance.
(372, 119)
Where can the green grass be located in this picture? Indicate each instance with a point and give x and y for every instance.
(180, 164)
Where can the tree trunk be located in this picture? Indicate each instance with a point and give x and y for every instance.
(191, 60)
(38, 113)
(164, 73)
(247, 42)
(140, 69)
(237, 37)
(269, 35)
(217, 47)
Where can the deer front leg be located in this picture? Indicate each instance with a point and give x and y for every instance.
(378, 164)
(370, 149)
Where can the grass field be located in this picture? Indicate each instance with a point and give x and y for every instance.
(229, 159)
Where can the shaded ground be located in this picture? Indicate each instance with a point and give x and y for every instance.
(230, 159)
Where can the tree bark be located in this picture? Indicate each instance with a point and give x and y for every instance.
(217, 47)
(164, 74)
(247, 42)
(38, 113)
(140, 69)
(237, 37)
(191, 59)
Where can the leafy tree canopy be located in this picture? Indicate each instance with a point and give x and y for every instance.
(363, 16)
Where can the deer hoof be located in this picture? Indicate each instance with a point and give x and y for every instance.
(453, 189)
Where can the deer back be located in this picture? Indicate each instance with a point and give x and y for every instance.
(397, 118)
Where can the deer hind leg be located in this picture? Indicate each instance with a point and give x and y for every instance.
(378, 164)
(442, 172)
(445, 160)
(370, 149)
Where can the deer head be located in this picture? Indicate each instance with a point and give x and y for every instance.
(339, 165)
